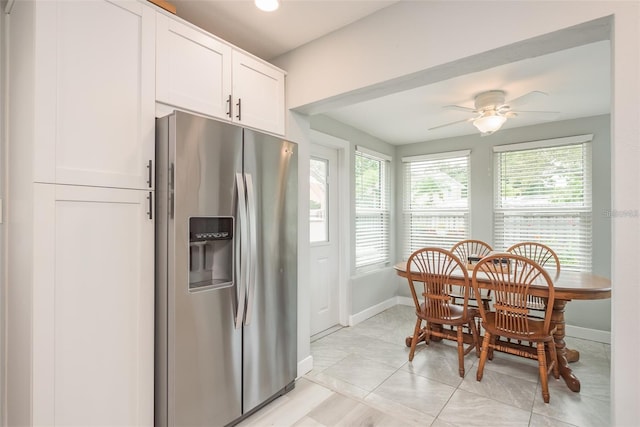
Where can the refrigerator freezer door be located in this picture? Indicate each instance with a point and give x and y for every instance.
(204, 348)
(270, 344)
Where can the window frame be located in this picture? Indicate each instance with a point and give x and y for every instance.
(384, 212)
(547, 215)
(442, 212)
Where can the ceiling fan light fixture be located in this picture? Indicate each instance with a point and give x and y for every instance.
(489, 123)
(267, 5)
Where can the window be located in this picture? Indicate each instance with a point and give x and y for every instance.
(318, 201)
(436, 200)
(372, 179)
(543, 194)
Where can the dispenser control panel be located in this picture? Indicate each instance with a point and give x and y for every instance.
(210, 252)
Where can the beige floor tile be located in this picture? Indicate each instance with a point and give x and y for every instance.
(416, 392)
(362, 377)
(403, 414)
(470, 409)
(538, 420)
(292, 407)
(573, 408)
(503, 388)
(360, 371)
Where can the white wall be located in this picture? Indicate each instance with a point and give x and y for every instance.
(414, 42)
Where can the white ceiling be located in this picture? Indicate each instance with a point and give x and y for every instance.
(270, 34)
(577, 80)
(577, 83)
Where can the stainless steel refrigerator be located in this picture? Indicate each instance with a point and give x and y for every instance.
(226, 270)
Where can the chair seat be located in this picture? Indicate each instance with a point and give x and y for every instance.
(535, 326)
(457, 315)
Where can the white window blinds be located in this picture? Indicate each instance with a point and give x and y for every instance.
(436, 200)
(543, 194)
(372, 199)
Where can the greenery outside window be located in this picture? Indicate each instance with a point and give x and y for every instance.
(373, 211)
(543, 194)
(436, 200)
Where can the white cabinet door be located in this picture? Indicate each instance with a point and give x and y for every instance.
(193, 69)
(93, 307)
(258, 92)
(197, 72)
(95, 92)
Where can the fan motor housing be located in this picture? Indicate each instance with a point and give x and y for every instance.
(489, 100)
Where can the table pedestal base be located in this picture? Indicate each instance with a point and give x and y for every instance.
(564, 355)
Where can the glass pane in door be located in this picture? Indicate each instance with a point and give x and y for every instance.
(318, 200)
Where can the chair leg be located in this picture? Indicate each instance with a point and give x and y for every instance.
(460, 351)
(414, 340)
(483, 355)
(553, 354)
(475, 335)
(427, 332)
(493, 343)
(542, 363)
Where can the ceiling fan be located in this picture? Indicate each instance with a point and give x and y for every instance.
(491, 110)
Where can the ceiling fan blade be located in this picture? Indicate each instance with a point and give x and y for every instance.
(459, 108)
(452, 123)
(526, 98)
(551, 115)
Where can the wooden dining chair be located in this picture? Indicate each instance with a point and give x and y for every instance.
(543, 255)
(463, 250)
(431, 270)
(511, 317)
(466, 248)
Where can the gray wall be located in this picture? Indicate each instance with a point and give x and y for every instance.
(377, 286)
(586, 314)
(410, 44)
(374, 287)
(4, 42)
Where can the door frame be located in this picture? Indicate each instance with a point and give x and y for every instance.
(344, 218)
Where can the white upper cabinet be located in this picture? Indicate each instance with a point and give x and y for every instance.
(258, 92)
(195, 71)
(95, 86)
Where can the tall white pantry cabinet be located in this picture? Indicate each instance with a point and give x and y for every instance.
(80, 230)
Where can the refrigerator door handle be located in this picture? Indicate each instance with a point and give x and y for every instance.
(253, 255)
(241, 213)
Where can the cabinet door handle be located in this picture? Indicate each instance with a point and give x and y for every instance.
(239, 105)
(150, 173)
(229, 106)
(150, 211)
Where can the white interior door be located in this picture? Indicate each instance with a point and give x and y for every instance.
(323, 236)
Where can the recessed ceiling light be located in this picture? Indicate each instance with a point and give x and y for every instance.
(267, 5)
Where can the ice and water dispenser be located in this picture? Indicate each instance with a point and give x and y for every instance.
(210, 252)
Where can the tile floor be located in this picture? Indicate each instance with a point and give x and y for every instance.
(362, 377)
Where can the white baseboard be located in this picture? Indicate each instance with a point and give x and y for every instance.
(372, 311)
(405, 301)
(588, 334)
(305, 365)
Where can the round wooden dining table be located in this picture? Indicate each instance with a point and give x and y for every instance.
(569, 285)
